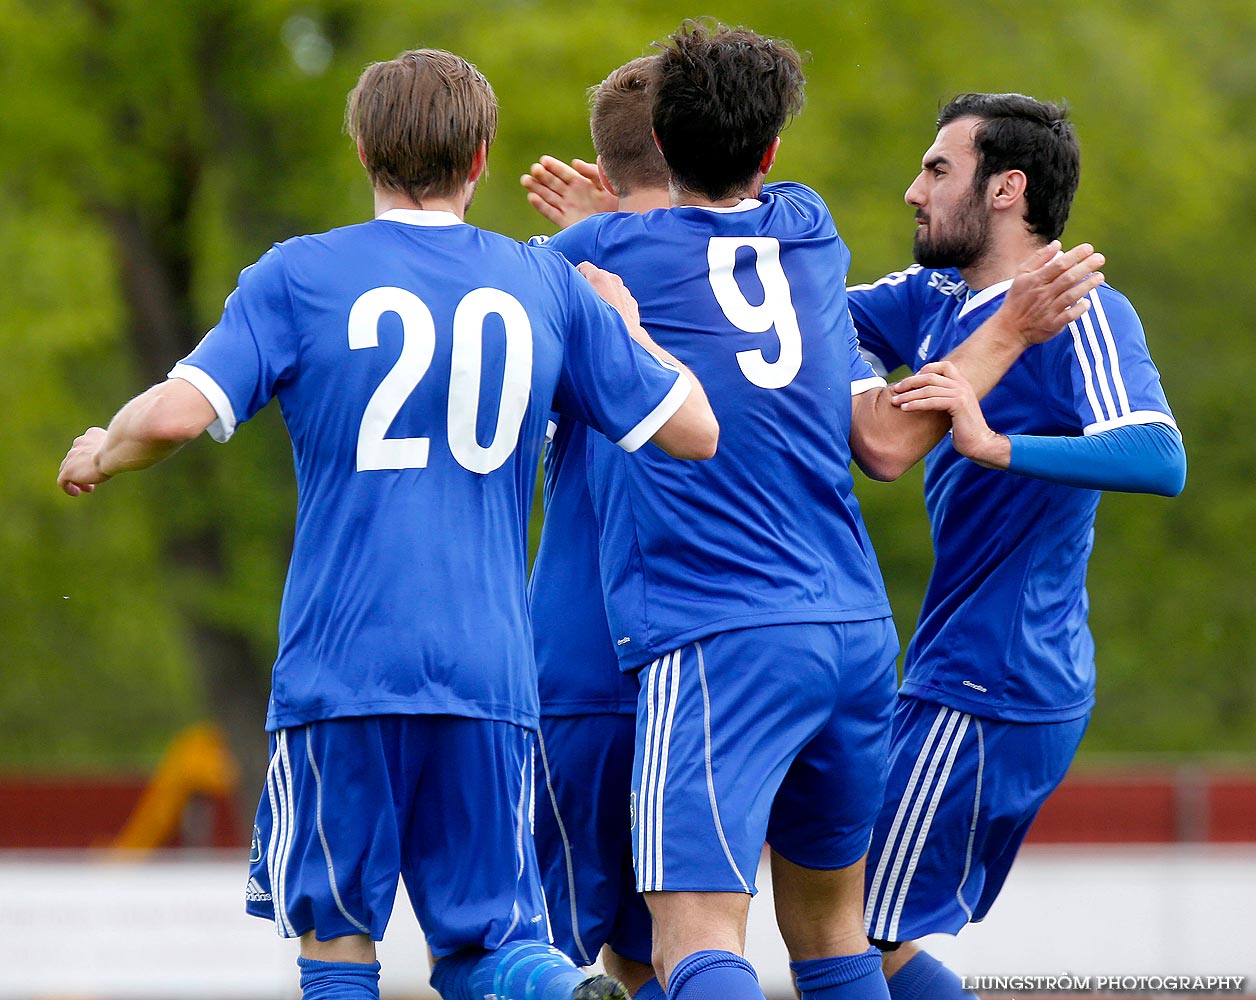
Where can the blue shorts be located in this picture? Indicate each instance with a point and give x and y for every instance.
(583, 839)
(441, 801)
(775, 734)
(961, 795)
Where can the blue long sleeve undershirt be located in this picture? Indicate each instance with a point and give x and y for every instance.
(1137, 458)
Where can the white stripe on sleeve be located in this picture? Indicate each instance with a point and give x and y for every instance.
(1103, 381)
(657, 417)
(1114, 360)
(222, 428)
(1088, 378)
(862, 385)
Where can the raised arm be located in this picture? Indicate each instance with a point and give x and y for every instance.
(1049, 292)
(566, 193)
(152, 426)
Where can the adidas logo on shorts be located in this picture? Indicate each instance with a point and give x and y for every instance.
(254, 893)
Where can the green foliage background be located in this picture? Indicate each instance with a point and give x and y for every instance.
(212, 128)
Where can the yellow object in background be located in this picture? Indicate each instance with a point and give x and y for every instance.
(197, 763)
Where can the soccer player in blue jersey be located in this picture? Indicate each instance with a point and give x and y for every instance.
(999, 677)
(416, 360)
(749, 599)
(588, 706)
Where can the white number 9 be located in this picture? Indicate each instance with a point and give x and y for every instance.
(776, 310)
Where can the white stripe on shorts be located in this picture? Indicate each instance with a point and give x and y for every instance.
(279, 789)
(663, 684)
(887, 895)
(569, 864)
(523, 815)
(710, 776)
(972, 829)
(322, 837)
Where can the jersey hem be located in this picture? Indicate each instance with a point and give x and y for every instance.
(290, 718)
(1003, 713)
(571, 708)
(668, 643)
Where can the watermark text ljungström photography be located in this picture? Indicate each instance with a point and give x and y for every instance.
(1113, 984)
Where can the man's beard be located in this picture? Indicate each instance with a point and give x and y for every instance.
(963, 245)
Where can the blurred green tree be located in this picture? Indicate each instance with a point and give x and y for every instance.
(151, 151)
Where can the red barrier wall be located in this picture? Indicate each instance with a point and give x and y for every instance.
(1092, 806)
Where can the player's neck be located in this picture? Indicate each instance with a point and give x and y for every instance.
(681, 196)
(999, 263)
(386, 201)
(644, 200)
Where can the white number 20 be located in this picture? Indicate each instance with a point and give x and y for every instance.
(776, 310)
(375, 449)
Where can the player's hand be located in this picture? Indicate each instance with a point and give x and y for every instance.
(79, 472)
(1050, 290)
(611, 287)
(566, 193)
(939, 386)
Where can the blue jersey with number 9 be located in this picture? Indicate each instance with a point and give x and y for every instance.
(416, 360)
(753, 299)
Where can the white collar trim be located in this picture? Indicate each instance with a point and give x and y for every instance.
(421, 217)
(745, 205)
(977, 299)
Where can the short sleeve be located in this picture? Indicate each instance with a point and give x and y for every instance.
(885, 317)
(609, 381)
(1111, 378)
(864, 373)
(238, 363)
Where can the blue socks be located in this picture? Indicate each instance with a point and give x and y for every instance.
(713, 975)
(925, 978)
(338, 980)
(842, 977)
(450, 974)
(522, 970)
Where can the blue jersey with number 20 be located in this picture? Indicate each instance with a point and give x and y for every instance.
(416, 360)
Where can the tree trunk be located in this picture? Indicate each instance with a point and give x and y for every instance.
(235, 681)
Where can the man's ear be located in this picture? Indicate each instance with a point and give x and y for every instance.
(606, 181)
(1007, 190)
(769, 158)
(479, 163)
(361, 153)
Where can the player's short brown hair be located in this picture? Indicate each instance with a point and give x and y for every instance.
(419, 120)
(619, 120)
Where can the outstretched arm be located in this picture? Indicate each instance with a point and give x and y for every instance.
(566, 193)
(150, 427)
(1049, 291)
